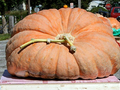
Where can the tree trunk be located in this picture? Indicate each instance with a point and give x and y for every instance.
(4, 25)
(79, 3)
(29, 7)
(11, 24)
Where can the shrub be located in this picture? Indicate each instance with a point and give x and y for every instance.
(97, 9)
(19, 14)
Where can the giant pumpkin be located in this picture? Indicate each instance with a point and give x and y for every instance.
(66, 44)
(114, 22)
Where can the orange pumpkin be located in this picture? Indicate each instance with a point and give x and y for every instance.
(110, 21)
(96, 55)
(104, 19)
(114, 22)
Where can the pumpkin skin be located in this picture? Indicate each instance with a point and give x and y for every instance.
(110, 21)
(97, 54)
(114, 22)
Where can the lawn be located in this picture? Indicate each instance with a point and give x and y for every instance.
(4, 36)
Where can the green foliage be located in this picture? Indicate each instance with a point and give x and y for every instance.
(0, 20)
(2, 7)
(12, 3)
(7, 5)
(4, 36)
(96, 9)
(113, 2)
(59, 3)
(85, 3)
(19, 14)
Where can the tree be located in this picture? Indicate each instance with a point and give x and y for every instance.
(113, 2)
(58, 3)
(13, 3)
(6, 5)
(2, 7)
(2, 11)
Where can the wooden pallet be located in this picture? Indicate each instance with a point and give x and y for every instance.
(9, 82)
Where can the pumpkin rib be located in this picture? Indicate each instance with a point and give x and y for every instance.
(94, 36)
(86, 16)
(101, 73)
(53, 31)
(53, 13)
(78, 76)
(19, 36)
(108, 70)
(81, 75)
(65, 18)
(55, 27)
(21, 68)
(57, 59)
(88, 29)
(40, 51)
(69, 68)
(66, 66)
(23, 25)
(57, 62)
(73, 20)
(10, 63)
(51, 36)
(68, 21)
(59, 22)
(61, 64)
(47, 70)
(85, 66)
(105, 21)
(12, 41)
(10, 49)
(33, 30)
(100, 40)
(18, 67)
(44, 61)
(112, 62)
(72, 69)
(33, 63)
(24, 63)
(31, 47)
(37, 70)
(115, 66)
(108, 40)
(78, 21)
(32, 66)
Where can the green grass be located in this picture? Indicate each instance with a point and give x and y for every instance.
(4, 36)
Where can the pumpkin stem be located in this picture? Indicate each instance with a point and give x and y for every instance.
(41, 40)
(64, 40)
(72, 47)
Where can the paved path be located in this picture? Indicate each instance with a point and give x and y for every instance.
(3, 60)
(2, 56)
